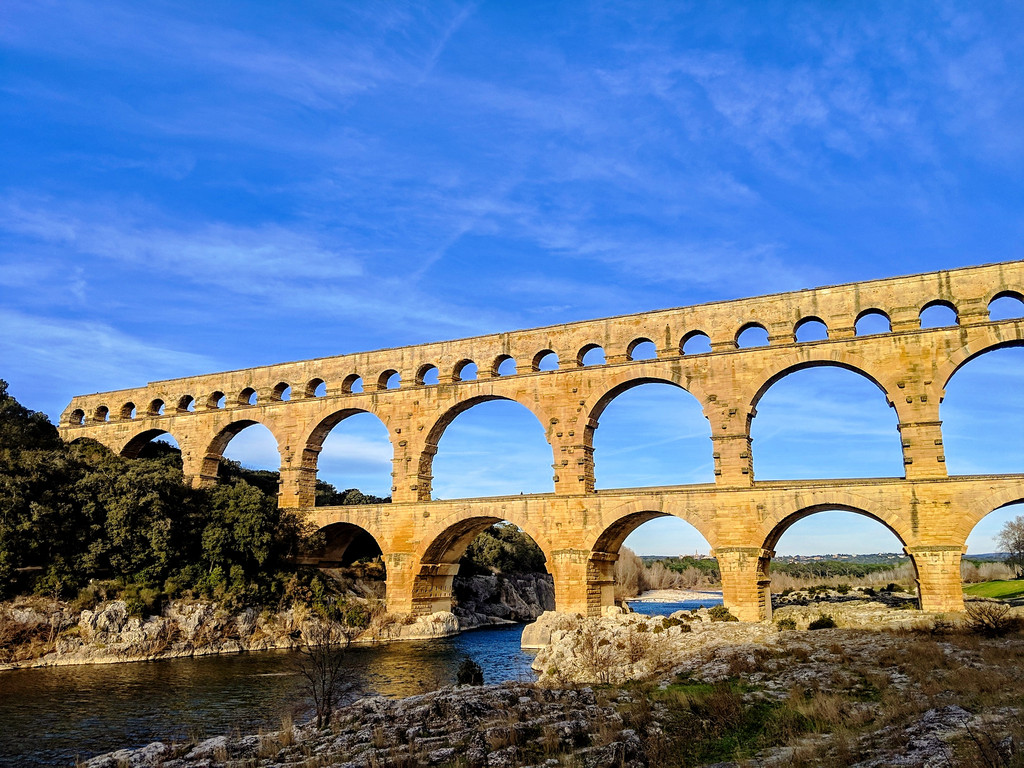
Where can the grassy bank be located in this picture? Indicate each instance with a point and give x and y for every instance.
(1002, 590)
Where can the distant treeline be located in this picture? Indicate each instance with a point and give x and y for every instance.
(827, 569)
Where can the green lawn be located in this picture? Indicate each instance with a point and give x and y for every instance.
(1006, 590)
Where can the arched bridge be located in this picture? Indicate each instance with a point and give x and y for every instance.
(417, 391)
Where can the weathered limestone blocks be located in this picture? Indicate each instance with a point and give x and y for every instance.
(580, 529)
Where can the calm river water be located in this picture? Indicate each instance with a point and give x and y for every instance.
(53, 716)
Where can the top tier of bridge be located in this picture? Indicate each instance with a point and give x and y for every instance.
(967, 291)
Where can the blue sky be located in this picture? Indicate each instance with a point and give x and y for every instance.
(189, 188)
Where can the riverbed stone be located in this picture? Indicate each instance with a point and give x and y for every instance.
(149, 755)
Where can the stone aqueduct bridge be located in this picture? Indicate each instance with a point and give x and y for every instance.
(580, 529)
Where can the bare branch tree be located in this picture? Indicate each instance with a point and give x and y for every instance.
(321, 663)
(1011, 541)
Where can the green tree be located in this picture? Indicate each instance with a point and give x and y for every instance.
(329, 496)
(72, 513)
(503, 548)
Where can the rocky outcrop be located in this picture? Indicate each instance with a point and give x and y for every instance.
(620, 647)
(862, 614)
(502, 598)
(110, 634)
(497, 725)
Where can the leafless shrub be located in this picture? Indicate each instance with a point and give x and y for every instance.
(632, 576)
(595, 653)
(629, 570)
(637, 645)
(990, 619)
(973, 573)
(286, 736)
(321, 664)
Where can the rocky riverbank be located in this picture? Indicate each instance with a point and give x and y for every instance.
(36, 632)
(629, 646)
(718, 693)
(43, 633)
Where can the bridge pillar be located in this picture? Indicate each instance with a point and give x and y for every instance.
(570, 569)
(730, 441)
(734, 464)
(410, 473)
(745, 581)
(400, 577)
(196, 467)
(297, 488)
(923, 454)
(938, 576)
(432, 588)
(574, 457)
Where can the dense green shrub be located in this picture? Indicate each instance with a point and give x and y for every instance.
(824, 621)
(503, 548)
(786, 622)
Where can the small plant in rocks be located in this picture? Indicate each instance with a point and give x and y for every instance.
(786, 622)
(720, 613)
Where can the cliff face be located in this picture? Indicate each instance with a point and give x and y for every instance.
(502, 598)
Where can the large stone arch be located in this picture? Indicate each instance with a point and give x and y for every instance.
(774, 527)
(974, 349)
(796, 362)
(134, 444)
(746, 583)
(625, 380)
(604, 541)
(215, 447)
(429, 446)
(617, 523)
(988, 340)
(443, 545)
(780, 367)
(312, 442)
(620, 383)
(978, 508)
(335, 541)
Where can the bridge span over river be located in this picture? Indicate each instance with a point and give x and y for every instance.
(580, 529)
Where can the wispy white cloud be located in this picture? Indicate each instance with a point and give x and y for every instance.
(45, 359)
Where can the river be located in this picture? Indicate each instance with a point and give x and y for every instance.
(51, 716)
(55, 715)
